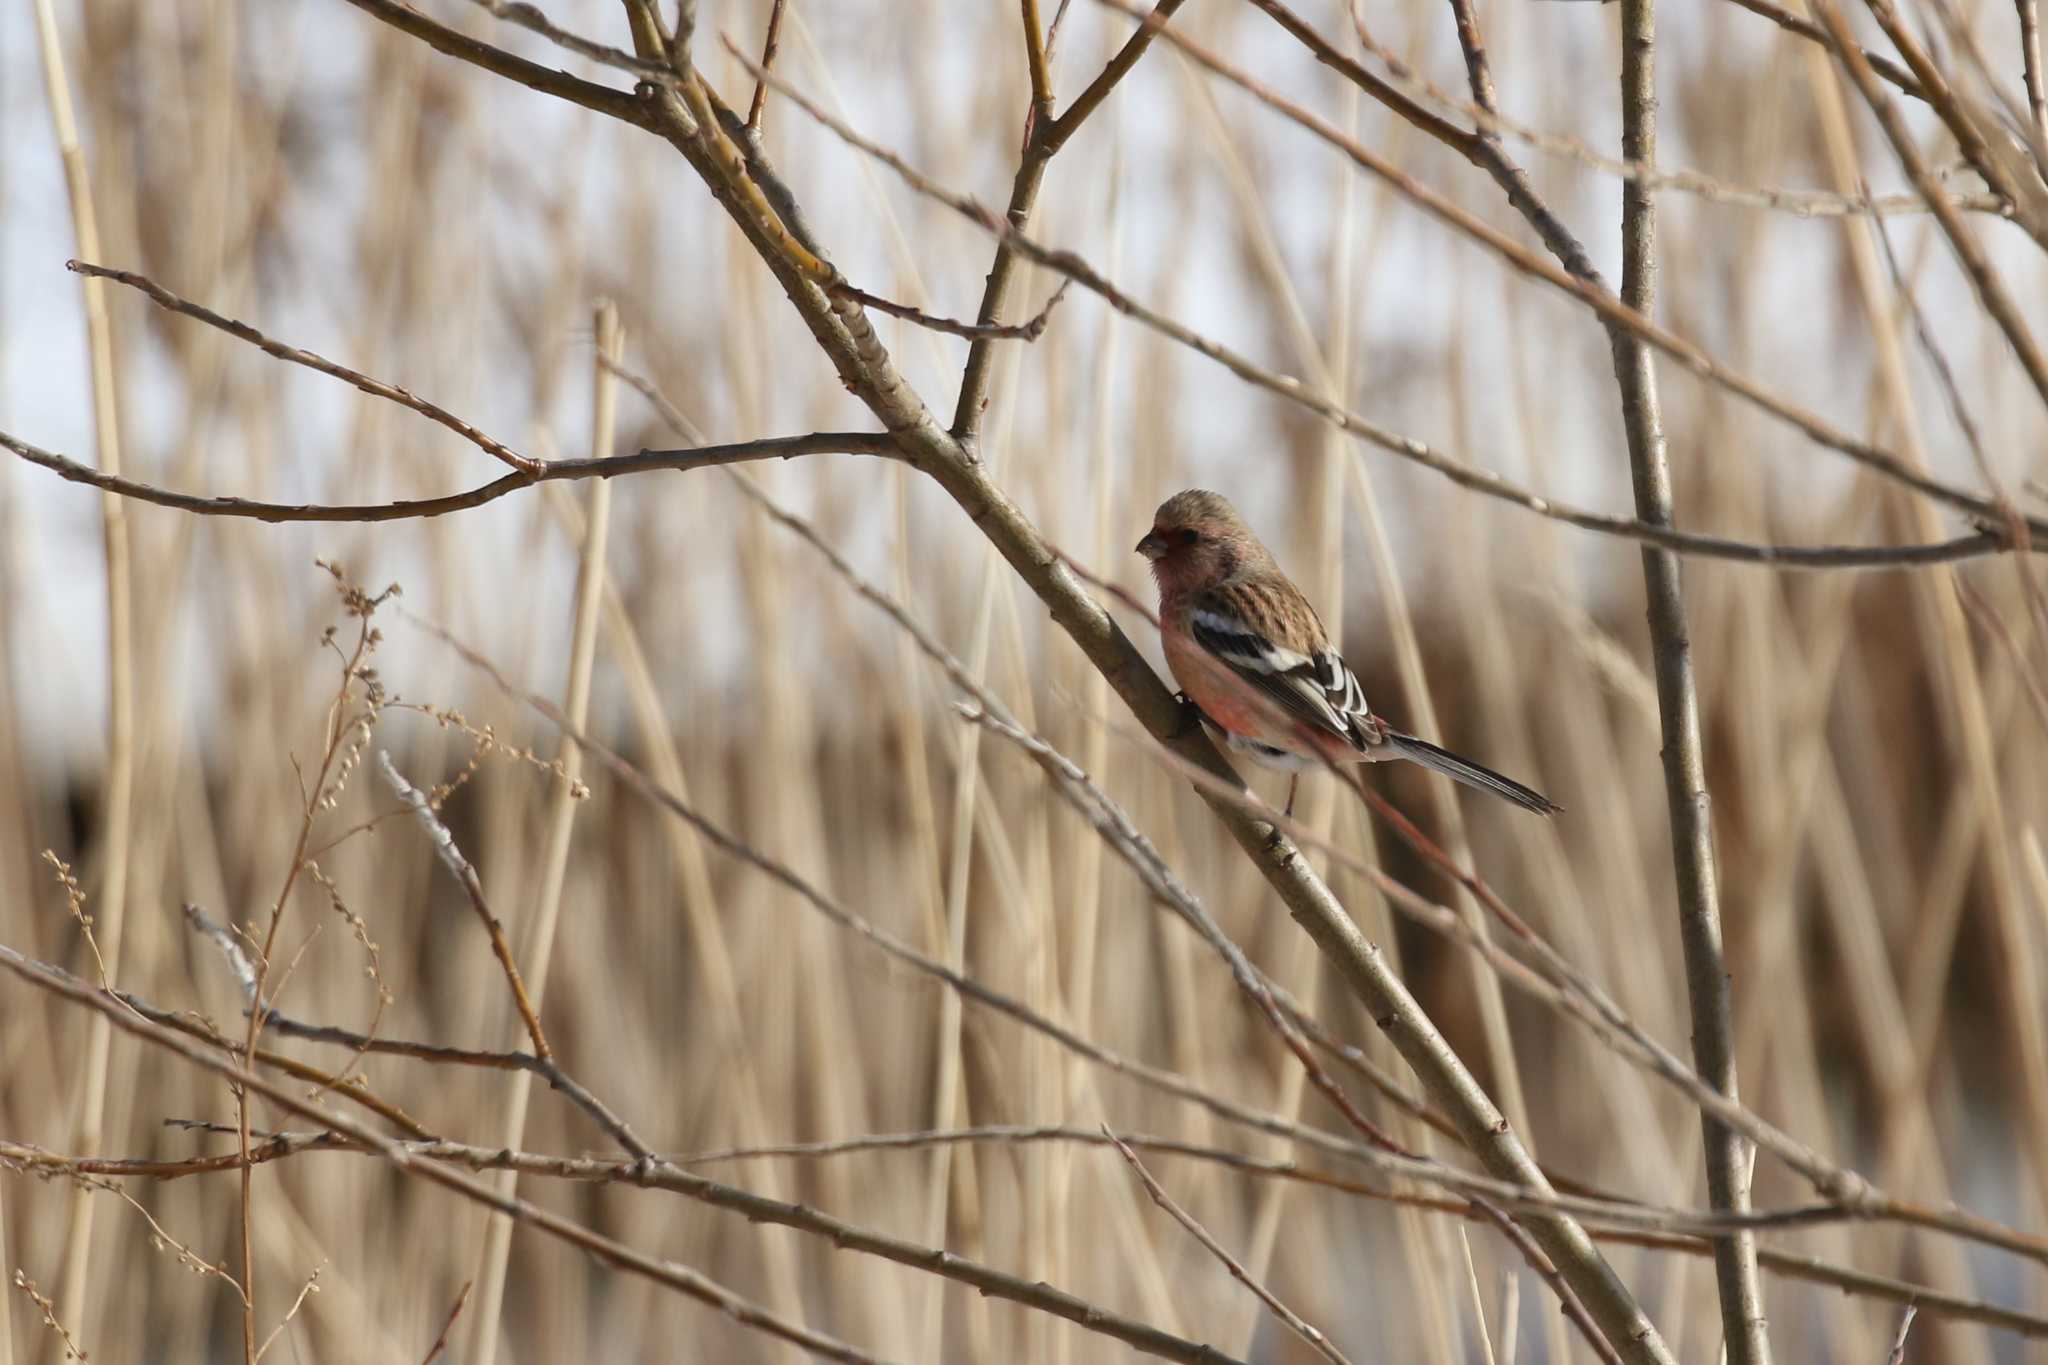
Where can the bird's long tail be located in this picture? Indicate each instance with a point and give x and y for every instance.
(1470, 773)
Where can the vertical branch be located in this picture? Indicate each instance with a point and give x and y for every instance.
(561, 818)
(116, 815)
(1685, 777)
(770, 45)
(1045, 136)
(2037, 93)
(1041, 71)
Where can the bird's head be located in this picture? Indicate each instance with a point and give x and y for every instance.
(1197, 540)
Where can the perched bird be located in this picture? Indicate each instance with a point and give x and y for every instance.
(1250, 652)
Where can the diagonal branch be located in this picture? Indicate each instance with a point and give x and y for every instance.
(1300, 1326)
(242, 331)
(623, 105)
(843, 332)
(472, 886)
(1984, 279)
(272, 1021)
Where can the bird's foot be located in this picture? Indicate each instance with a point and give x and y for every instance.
(1190, 718)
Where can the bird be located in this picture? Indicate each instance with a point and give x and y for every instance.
(1253, 660)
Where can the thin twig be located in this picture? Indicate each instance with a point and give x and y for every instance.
(668, 1273)
(1606, 305)
(1814, 33)
(376, 388)
(1977, 267)
(1029, 330)
(1294, 1322)
(532, 20)
(1897, 1355)
(1038, 63)
(1044, 136)
(704, 457)
(544, 1067)
(472, 886)
(1464, 475)
(448, 1325)
(2030, 61)
(770, 44)
(1799, 203)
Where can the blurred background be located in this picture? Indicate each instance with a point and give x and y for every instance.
(1875, 739)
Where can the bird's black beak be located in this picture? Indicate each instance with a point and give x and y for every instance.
(1152, 546)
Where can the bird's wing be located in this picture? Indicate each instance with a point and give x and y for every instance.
(1313, 684)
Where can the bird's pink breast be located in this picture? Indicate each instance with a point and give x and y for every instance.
(1236, 705)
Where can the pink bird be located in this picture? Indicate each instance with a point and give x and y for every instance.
(1251, 653)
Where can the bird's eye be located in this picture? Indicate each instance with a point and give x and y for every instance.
(1190, 536)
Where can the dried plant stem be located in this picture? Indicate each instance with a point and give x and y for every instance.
(562, 816)
(680, 1278)
(115, 833)
(1612, 310)
(1729, 1158)
(1996, 301)
(1467, 476)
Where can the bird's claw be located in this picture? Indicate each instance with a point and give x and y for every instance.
(1190, 718)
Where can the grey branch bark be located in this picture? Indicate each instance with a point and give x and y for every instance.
(1685, 776)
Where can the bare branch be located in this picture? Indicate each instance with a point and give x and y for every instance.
(623, 105)
(1086, 103)
(1464, 475)
(282, 1145)
(1729, 1158)
(704, 457)
(1812, 32)
(1799, 203)
(1038, 62)
(1301, 1327)
(1897, 1355)
(1609, 308)
(1045, 135)
(1019, 331)
(440, 1345)
(275, 1022)
(533, 21)
(242, 331)
(670, 1274)
(2037, 89)
(472, 886)
(770, 44)
(1991, 291)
